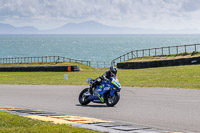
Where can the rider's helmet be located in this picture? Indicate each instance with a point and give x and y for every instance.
(113, 70)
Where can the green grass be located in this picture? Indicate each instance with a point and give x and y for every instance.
(173, 77)
(10, 123)
(165, 57)
(82, 67)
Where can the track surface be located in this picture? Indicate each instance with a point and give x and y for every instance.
(162, 108)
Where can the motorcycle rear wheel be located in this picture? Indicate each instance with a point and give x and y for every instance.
(112, 100)
(83, 100)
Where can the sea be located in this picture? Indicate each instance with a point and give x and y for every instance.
(95, 48)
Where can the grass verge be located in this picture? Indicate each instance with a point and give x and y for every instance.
(165, 57)
(82, 66)
(10, 123)
(173, 77)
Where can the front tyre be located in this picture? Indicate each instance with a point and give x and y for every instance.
(112, 100)
(83, 100)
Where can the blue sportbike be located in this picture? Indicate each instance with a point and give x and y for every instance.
(107, 92)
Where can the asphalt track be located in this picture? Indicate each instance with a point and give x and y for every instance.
(161, 108)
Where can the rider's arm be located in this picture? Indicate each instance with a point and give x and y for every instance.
(106, 76)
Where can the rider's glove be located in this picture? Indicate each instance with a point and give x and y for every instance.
(107, 80)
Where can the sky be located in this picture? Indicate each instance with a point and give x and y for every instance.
(148, 14)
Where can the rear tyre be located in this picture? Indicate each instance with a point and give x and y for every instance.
(112, 100)
(83, 100)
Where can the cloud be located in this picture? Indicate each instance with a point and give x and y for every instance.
(161, 14)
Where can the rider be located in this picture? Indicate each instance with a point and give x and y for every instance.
(112, 72)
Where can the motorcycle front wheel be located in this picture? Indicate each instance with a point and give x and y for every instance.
(83, 100)
(112, 100)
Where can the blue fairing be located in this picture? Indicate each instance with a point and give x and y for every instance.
(105, 87)
(112, 92)
(90, 80)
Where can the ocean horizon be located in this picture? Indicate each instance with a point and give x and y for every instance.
(95, 47)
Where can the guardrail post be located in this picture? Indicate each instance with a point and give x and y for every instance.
(162, 50)
(169, 50)
(176, 49)
(195, 47)
(137, 53)
(143, 52)
(58, 60)
(155, 52)
(132, 54)
(185, 49)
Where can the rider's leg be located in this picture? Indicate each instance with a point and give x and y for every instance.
(95, 83)
(92, 87)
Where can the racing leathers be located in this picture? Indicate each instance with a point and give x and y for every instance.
(106, 77)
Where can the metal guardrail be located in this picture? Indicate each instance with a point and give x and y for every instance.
(52, 59)
(100, 64)
(156, 51)
(43, 59)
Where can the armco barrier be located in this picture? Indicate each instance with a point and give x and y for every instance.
(56, 68)
(161, 63)
(157, 51)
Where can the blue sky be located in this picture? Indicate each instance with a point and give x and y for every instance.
(155, 14)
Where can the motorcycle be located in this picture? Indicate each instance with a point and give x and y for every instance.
(107, 92)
